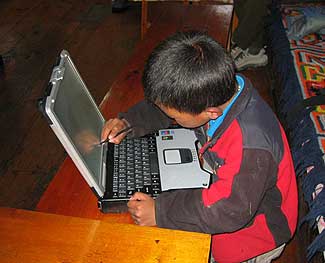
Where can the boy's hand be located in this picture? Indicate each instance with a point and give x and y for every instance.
(142, 209)
(111, 129)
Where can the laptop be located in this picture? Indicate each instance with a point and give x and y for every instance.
(163, 161)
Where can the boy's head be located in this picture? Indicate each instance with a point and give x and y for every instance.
(189, 72)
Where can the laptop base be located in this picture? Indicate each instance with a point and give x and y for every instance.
(106, 206)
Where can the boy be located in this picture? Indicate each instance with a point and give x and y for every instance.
(251, 206)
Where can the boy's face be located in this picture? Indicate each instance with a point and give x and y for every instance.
(184, 119)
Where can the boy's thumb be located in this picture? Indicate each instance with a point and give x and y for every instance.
(138, 196)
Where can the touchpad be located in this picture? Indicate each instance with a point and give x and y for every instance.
(172, 156)
(177, 156)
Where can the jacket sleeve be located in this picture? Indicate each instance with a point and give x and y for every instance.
(145, 118)
(189, 209)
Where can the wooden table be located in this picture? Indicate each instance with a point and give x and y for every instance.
(68, 193)
(30, 237)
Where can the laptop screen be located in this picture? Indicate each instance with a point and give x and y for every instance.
(78, 116)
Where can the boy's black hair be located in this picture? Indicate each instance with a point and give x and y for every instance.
(189, 71)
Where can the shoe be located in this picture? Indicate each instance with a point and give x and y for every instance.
(235, 52)
(119, 5)
(246, 60)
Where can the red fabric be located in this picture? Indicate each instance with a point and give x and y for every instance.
(242, 245)
(244, 242)
(226, 173)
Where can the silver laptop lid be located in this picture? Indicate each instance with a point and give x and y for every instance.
(77, 121)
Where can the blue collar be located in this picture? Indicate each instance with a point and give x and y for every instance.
(214, 124)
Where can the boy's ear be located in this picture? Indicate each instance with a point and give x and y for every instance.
(213, 112)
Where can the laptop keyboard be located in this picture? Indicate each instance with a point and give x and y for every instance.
(136, 168)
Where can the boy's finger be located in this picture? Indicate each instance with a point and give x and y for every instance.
(139, 196)
(118, 138)
(131, 204)
(131, 209)
(106, 129)
(111, 128)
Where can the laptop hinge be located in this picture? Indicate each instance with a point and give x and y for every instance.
(57, 74)
(41, 102)
(95, 192)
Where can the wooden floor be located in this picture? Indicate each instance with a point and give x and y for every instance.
(32, 33)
